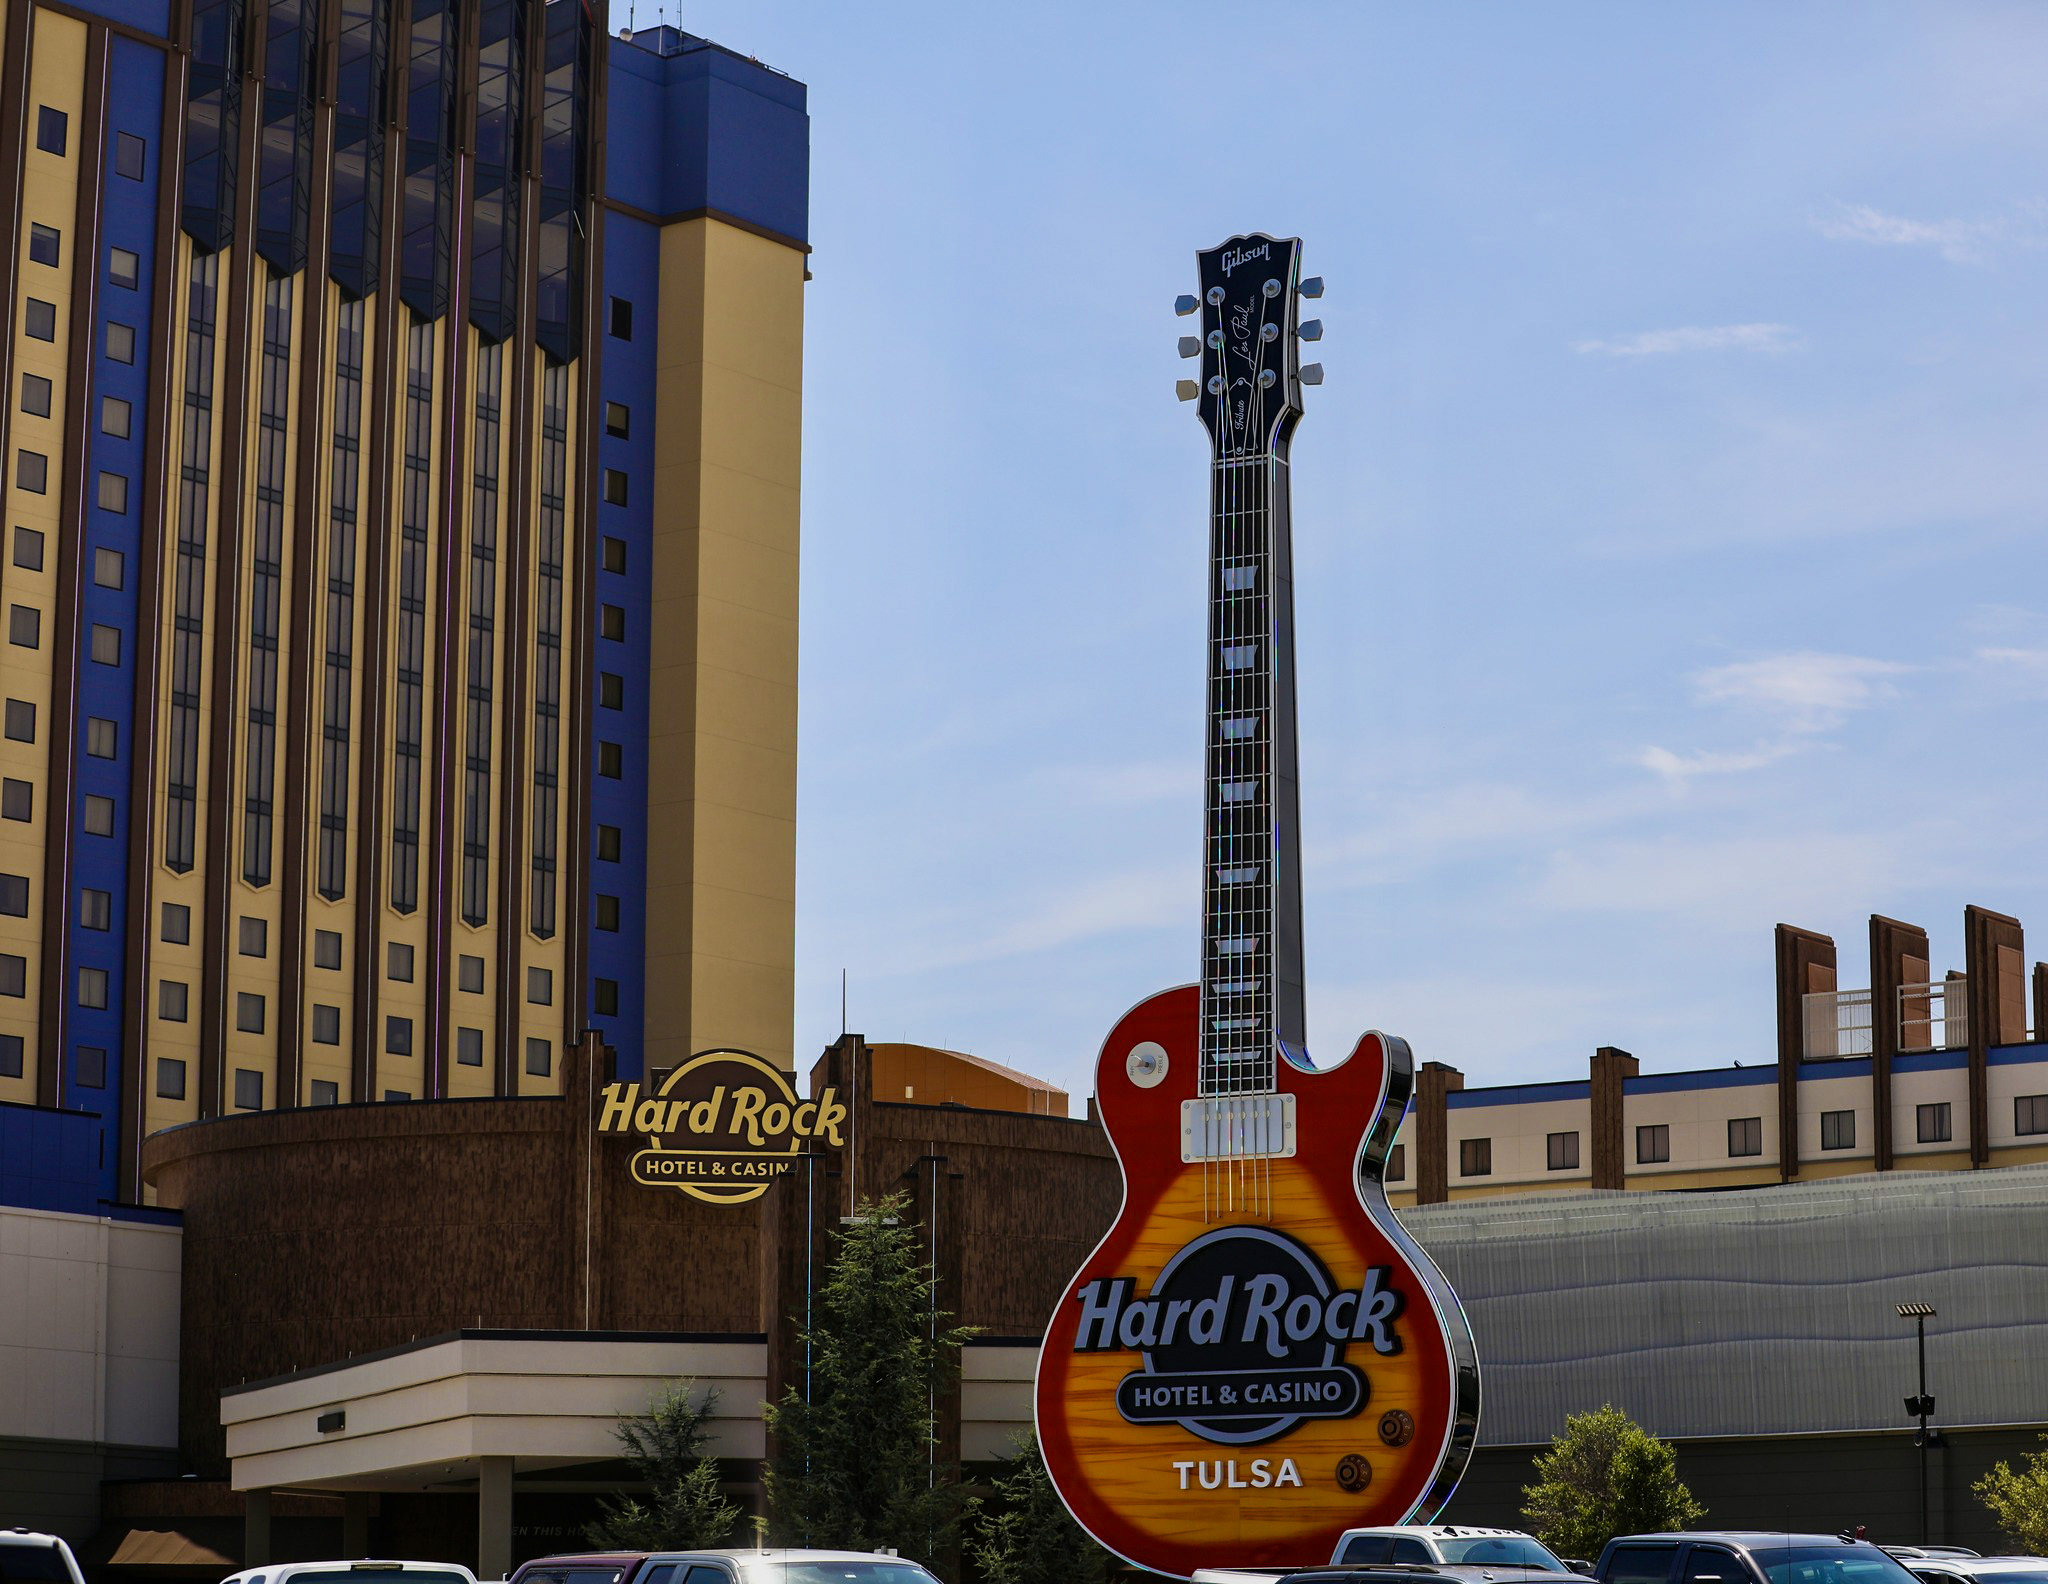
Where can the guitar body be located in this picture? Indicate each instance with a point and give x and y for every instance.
(1369, 1465)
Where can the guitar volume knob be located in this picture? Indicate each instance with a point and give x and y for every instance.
(1145, 1066)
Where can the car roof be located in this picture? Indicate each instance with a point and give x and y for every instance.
(277, 1570)
(1368, 1573)
(1743, 1537)
(583, 1557)
(780, 1554)
(1439, 1531)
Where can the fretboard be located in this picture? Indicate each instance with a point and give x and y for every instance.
(1251, 928)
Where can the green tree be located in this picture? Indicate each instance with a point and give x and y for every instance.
(856, 1460)
(2018, 1499)
(685, 1509)
(1027, 1536)
(1605, 1476)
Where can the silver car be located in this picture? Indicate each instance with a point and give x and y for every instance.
(787, 1566)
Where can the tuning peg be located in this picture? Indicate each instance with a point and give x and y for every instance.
(1190, 346)
(1312, 287)
(1311, 330)
(1186, 390)
(1185, 305)
(1311, 373)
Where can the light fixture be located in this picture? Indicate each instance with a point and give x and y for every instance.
(1916, 1311)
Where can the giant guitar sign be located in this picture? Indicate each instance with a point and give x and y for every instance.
(1257, 1356)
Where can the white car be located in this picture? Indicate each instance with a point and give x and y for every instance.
(1462, 1548)
(367, 1571)
(43, 1558)
(784, 1566)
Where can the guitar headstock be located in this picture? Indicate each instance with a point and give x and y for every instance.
(1249, 387)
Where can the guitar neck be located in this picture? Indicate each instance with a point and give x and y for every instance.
(1251, 925)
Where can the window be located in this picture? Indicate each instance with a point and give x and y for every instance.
(32, 472)
(326, 1024)
(116, 417)
(610, 761)
(25, 626)
(611, 690)
(255, 937)
(17, 800)
(99, 815)
(469, 1047)
(248, 1090)
(1837, 1130)
(171, 1002)
(1562, 1151)
(1475, 1157)
(1397, 1163)
(128, 155)
(607, 912)
(21, 719)
(1711, 1565)
(1931, 1123)
(28, 549)
(41, 320)
(398, 1036)
(470, 974)
(614, 553)
(14, 895)
(608, 843)
(607, 998)
(101, 737)
(106, 641)
(108, 568)
(89, 1065)
(52, 127)
(621, 323)
(11, 1051)
(540, 986)
(1745, 1136)
(249, 1012)
(326, 1092)
(1653, 1144)
(177, 924)
(396, 1094)
(95, 909)
(618, 420)
(2030, 1114)
(124, 268)
(113, 494)
(92, 988)
(611, 621)
(1640, 1564)
(398, 961)
(170, 1078)
(35, 395)
(540, 1058)
(327, 948)
(120, 342)
(13, 975)
(44, 244)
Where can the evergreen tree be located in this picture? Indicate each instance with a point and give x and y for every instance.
(685, 1509)
(855, 1461)
(2018, 1499)
(1028, 1536)
(1605, 1476)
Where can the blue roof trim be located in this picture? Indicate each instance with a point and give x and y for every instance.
(1517, 1094)
(1712, 1078)
(1931, 1061)
(1851, 1067)
(2015, 1055)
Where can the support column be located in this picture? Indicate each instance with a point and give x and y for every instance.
(1994, 958)
(1612, 1069)
(1899, 955)
(1806, 966)
(1433, 1086)
(494, 1518)
(2040, 1000)
(355, 1524)
(256, 1528)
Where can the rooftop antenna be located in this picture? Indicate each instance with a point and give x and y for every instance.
(842, 1003)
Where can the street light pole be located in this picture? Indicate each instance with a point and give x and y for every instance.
(1921, 1404)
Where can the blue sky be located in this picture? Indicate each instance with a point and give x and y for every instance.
(1670, 524)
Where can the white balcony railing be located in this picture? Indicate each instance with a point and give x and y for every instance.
(1837, 1024)
(1934, 1016)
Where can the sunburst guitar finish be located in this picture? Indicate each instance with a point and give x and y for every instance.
(1257, 1356)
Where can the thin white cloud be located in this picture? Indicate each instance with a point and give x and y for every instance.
(1958, 241)
(1681, 768)
(1696, 338)
(1809, 692)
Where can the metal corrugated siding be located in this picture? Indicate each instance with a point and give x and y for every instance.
(1768, 1312)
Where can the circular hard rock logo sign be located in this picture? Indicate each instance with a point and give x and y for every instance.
(722, 1126)
(1243, 1336)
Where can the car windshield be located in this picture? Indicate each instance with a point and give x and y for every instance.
(883, 1570)
(1826, 1564)
(1498, 1551)
(377, 1575)
(32, 1562)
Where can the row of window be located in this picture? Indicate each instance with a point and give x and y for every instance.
(102, 737)
(18, 802)
(117, 416)
(32, 477)
(170, 1070)
(53, 136)
(89, 1065)
(1933, 1124)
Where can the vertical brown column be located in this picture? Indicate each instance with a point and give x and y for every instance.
(1994, 955)
(1611, 1070)
(74, 485)
(1898, 957)
(2040, 1030)
(1433, 1083)
(14, 107)
(1806, 966)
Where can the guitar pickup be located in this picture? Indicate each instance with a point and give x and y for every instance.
(1237, 1127)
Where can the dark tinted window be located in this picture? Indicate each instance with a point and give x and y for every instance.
(1639, 1564)
(1826, 1564)
(365, 1575)
(1366, 1548)
(1496, 1551)
(1409, 1549)
(1712, 1565)
(19, 1560)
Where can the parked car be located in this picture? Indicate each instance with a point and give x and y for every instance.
(1746, 1556)
(1946, 1569)
(746, 1566)
(1466, 1551)
(26, 1555)
(1906, 1553)
(1327, 1573)
(367, 1571)
(583, 1567)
